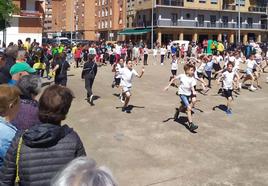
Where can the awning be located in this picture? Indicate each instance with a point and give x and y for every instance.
(138, 31)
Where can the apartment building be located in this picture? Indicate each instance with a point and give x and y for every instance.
(74, 16)
(195, 20)
(28, 22)
(48, 17)
(110, 19)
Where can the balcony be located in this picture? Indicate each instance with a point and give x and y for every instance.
(206, 25)
(257, 9)
(172, 3)
(30, 14)
(229, 7)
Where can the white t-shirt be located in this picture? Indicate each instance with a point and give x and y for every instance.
(232, 59)
(117, 70)
(162, 51)
(127, 76)
(155, 51)
(201, 68)
(168, 48)
(237, 63)
(228, 78)
(118, 49)
(251, 63)
(219, 59)
(186, 84)
(174, 65)
(145, 51)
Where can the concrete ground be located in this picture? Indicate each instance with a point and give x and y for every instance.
(147, 148)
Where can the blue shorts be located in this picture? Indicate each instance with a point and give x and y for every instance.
(249, 71)
(185, 100)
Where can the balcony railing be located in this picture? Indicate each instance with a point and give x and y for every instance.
(257, 9)
(30, 13)
(170, 2)
(228, 7)
(195, 24)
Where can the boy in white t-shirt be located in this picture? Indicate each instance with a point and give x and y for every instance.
(251, 65)
(127, 74)
(174, 67)
(228, 78)
(187, 93)
(116, 69)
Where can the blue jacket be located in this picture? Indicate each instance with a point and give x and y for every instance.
(7, 133)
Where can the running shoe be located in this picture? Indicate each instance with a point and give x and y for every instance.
(252, 88)
(193, 127)
(228, 112)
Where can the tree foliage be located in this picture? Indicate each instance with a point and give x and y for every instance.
(7, 8)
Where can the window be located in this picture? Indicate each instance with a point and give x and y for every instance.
(111, 11)
(202, 1)
(200, 20)
(250, 22)
(102, 13)
(188, 16)
(106, 24)
(214, 2)
(106, 12)
(225, 21)
(242, 2)
(110, 23)
(213, 20)
(174, 19)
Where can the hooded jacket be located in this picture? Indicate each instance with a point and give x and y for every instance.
(45, 150)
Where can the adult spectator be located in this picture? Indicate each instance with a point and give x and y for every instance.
(9, 106)
(30, 86)
(60, 67)
(4, 72)
(46, 148)
(83, 171)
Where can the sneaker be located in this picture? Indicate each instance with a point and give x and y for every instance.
(126, 110)
(192, 127)
(91, 99)
(228, 112)
(162, 64)
(252, 88)
(240, 85)
(122, 98)
(176, 115)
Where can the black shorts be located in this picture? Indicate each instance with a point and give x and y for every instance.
(174, 72)
(200, 75)
(228, 93)
(216, 67)
(117, 81)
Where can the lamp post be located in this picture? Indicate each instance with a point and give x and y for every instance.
(71, 21)
(239, 29)
(152, 26)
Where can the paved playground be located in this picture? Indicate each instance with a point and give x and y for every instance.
(147, 148)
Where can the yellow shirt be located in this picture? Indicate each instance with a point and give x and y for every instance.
(220, 47)
(27, 46)
(74, 49)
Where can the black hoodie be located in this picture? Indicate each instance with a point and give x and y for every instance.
(46, 149)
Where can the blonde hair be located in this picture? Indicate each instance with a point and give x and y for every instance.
(8, 96)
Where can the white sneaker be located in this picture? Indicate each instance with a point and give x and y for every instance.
(252, 88)
(162, 64)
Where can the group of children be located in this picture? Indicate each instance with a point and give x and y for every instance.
(227, 72)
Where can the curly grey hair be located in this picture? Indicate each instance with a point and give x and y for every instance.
(30, 85)
(82, 171)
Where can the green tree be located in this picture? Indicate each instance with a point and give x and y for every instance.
(7, 8)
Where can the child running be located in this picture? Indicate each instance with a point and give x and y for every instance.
(174, 67)
(187, 93)
(127, 75)
(228, 78)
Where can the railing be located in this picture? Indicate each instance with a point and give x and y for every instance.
(195, 24)
(170, 2)
(30, 13)
(257, 9)
(228, 7)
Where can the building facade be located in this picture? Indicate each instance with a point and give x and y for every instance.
(110, 19)
(28, 22)
(74, 16)
(195, 20)
(48, 17)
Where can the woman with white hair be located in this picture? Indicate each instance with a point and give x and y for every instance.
(82, 171)
(30, 86)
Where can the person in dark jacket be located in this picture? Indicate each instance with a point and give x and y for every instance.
(60, 68)
(89, 73)
(46, 148)
(30, 86)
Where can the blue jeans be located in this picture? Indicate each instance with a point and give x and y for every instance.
(185, 100)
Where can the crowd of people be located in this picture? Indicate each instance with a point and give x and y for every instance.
(36, 149)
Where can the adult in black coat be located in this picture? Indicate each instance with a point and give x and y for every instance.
(89, 73)
(45, 148)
